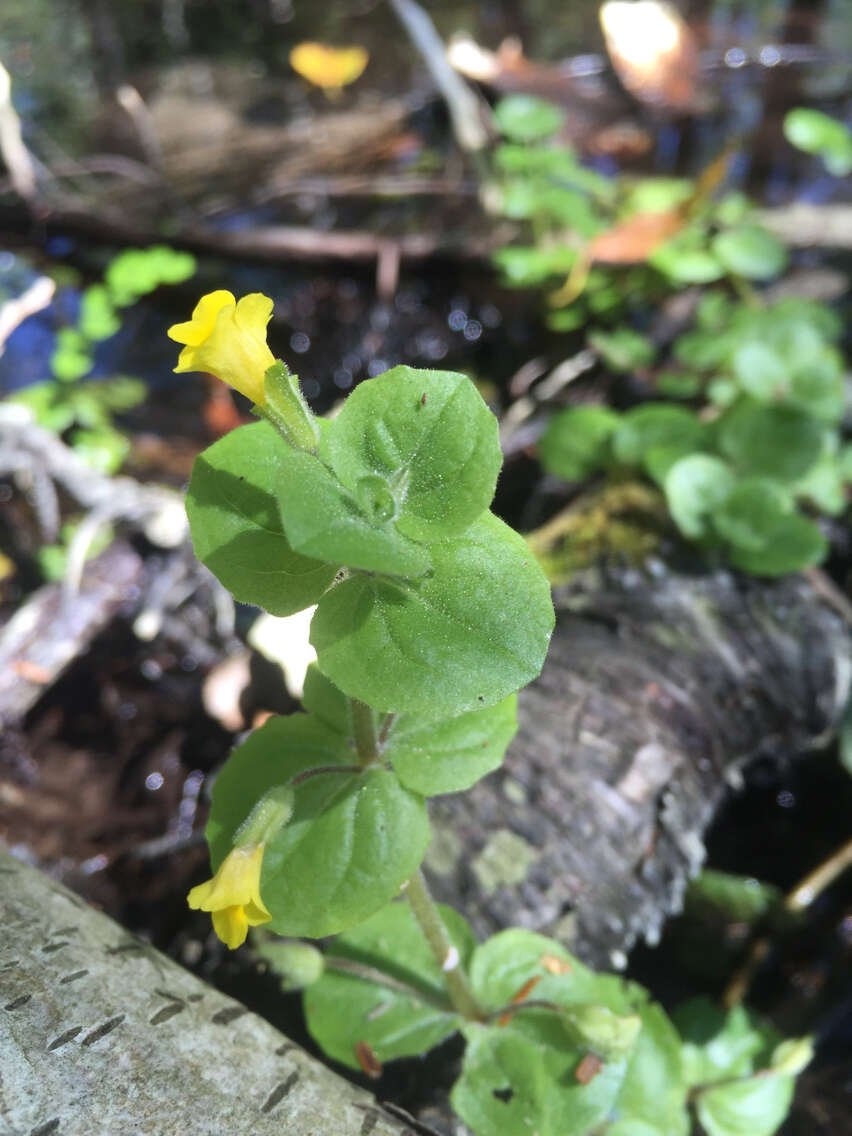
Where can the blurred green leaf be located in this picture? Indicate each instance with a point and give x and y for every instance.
(818, 133)
(779, 442)
(750, 251)
(738, 899)
(623, 349)
(525, 118)
(694, 487)
(576, 441)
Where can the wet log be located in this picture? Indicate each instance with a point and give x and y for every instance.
(102, 1034)
(658, 689)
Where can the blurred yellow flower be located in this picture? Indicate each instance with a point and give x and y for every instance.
(227, 338)
(328, 67)
(233, 895)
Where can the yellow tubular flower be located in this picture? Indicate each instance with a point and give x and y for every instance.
(227, 338)
(233, 895)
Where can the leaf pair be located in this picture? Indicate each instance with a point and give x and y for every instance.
(444, 609)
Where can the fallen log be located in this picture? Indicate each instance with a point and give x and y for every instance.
(103, 1034)
(657, 691)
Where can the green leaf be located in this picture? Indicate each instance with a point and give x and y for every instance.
(818, 133)
(98, 319)
(429, 438)
(525, 267)
(795, 543)
(720, 1045)
(694, 487)
(754, 1107)
(236, 526)
(525, 118)
(750, 251)
(685, 261)
(322, 699)
(678, 384)
(656, 435)
(823, 486)
(818, 385)
(750, 515)
(324, 521)
(103, 448)
(353, 838)
(738, 899)
(451, 755)
(343, 1009)
(513, 1084)
(654, 1088)
(761, 371)
(72, 357)
(658, 195)
(462, 637)
(780, 442)
(576, 441)
(623, 349)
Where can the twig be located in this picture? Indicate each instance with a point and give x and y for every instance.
(35, 299)
(796, 901)
(824, 586)
(15, 154)
(467, 110)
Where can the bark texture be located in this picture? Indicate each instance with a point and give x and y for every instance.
(101, 1034)
(657, 689)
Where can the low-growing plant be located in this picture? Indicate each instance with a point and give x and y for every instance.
(83, 408)
(430, 614)
(620, 241)
(759, 448)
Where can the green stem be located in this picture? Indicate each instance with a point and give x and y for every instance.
(446, 955)
(364, 725)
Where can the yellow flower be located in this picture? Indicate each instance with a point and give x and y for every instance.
(227, 338)
(328, 67)
(233, 895)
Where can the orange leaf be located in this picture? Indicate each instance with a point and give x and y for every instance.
(632, 241)
(328, 67)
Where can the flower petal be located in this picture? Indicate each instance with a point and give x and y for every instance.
(196, 330)
(231, 926)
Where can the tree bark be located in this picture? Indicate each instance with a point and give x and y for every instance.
(102, 1034)
(655, 694)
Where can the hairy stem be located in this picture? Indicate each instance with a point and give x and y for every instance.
(446, 955)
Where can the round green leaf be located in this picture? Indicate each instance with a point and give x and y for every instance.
(749, 517)
(451, 755)
(513, 1084)
(793, 544)
(694, 487)
(429, 437)
(323, 520)
(750, 251)
(756, 1106)
(761, 371)
(818, 133)
(780, 442)
(655, 435)
(525, 118)
(353, 838)
(343, 1009)
(623, 349)
(236, 527)
(576, 441)
(685, 262)
(466, 635)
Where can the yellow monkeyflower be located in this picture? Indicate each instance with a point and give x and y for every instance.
(328, 67)
(233, 895)
(227, 338)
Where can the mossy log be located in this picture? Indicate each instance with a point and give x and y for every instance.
(103, 1036)
(657, 690)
